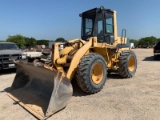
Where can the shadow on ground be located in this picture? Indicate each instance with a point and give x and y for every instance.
(151, 58)
(114, 75)
(76, 90)
(6, 89)
(7, 71)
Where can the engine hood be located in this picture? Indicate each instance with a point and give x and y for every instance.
(10, 52)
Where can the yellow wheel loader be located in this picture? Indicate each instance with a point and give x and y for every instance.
(44, 89)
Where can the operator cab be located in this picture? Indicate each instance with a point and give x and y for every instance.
(98, 22)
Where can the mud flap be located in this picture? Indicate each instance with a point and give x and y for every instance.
(39, 90)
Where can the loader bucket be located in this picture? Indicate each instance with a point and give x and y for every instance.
(39, 90)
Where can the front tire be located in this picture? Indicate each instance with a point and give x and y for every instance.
(127, 64)
(91, 73)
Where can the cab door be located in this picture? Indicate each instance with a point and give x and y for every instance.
(104, 29)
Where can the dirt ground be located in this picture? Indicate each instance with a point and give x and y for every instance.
(137, 98)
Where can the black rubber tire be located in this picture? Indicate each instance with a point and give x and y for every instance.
(155, 57)
(84, 71)
(123, 64)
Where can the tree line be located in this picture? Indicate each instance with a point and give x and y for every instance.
(26, 42)
(145, 41)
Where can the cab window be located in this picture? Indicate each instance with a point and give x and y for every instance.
(109, 23)
(88, 26)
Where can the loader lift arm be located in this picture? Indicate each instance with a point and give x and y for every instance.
(75, 60)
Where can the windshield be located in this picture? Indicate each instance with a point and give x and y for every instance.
(10, 46)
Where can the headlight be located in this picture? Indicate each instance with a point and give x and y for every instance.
(24, 56)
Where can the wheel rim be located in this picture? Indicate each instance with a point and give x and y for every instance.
(97, 73)
(131, 63)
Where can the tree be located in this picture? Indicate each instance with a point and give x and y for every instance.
(158, 39)
(42, 42)
(60, 39)
(147, 41)
(134, 41)
(18, 39)
(30, 42)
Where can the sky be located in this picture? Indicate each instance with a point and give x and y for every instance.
(50, 19)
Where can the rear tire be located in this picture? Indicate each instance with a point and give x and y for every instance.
(127, 64)
(91, 73)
